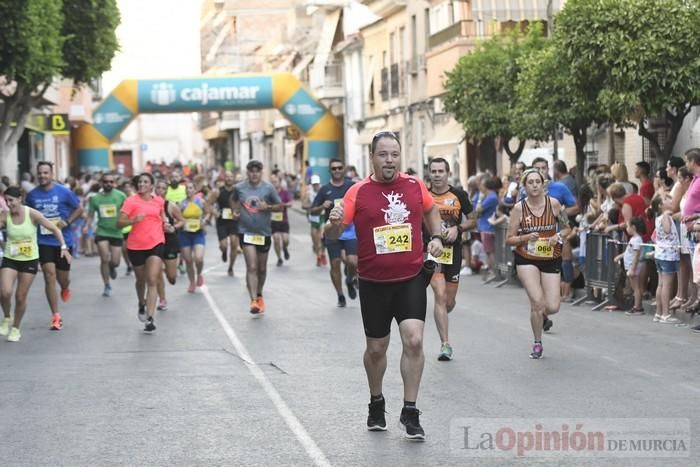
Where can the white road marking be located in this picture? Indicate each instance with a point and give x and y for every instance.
(312, 449)
(610, 359)
(692, 388)
(647, 372)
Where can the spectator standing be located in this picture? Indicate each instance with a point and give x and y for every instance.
(561, 174)
(646, 184)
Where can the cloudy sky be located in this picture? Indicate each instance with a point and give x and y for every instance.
(158, 39)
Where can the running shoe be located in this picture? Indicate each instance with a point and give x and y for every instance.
(352, 293)
(5, 326)
(547, 324)
(286, 253)
(261, 303)
(410, 422)
(128, 270)
(112, 271)
(181, 269)
(254, 307)
(200, 280)
(445, 352)
(163, 305)
(14, 335)
(142, 312)
(341, 301)
(65, 295)
(324, 261)
(191, 288)
(56, 322)
(319, 263)
(376, 420)
(657, 318)
(695, 328)
(107, 292)
(223, 256)
(230, 271)
(669, 320)
(279, 262)
(537, 351)
(465, 271)
(150, 326)
(635, 312)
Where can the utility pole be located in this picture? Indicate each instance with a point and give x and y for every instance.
(550, 35)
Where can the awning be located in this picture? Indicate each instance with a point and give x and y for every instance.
(445, 140)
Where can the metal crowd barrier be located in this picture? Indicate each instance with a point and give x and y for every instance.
(505, 268)
(600, 270)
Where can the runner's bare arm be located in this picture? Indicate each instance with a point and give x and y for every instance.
(562, 219)
(334, 226)
(73, 216)
(125, 220)
(431, 217)
(177, 214)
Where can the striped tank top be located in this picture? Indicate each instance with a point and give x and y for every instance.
(545, 225)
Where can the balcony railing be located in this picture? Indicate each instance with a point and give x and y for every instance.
(463, 28)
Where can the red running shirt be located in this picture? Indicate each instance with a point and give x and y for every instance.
(148, 233)
(388, 220)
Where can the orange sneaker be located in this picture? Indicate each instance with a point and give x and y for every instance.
(65, 294)
(261, 304)
(254, 307)
(56, 322)
(324, 261)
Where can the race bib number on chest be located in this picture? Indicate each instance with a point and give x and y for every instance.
(392, 238)
(251, 239)
(446, 256)
(44, 231)
(21, 248)
(277, 216)
(108, 210)
(192, 225)
(227, 213)
(541, 248)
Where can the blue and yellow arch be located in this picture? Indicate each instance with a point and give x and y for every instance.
(240, 92)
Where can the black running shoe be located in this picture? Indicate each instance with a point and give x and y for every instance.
(547, 324)
(409, 420)
(280, 262)
(341, 301)
(142, 312)
(150, 326)
(112, 271)
(286, 254)
(695, 328)
(223, 257)
(352, 293)
(375, 419)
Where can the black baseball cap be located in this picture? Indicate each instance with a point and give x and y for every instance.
(254, 164)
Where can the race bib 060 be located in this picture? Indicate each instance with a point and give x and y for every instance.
(392, 239)
(540, 248)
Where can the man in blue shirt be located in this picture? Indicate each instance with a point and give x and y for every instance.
(556, 190)
(327, 198)
(60, 206)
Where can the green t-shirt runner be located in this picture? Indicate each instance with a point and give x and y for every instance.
(107, 207)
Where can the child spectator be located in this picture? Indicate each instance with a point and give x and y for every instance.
(667, 256)
(631, 259)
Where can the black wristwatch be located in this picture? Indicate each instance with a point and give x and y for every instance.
(460, 230)
(433, 237)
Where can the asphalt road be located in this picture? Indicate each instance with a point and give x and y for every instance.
(213, 387)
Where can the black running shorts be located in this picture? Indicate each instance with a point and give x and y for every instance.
(549, 266)
(381, 302)
(259, 248)
(225, 228)
(52, 254)
(139, 257)
(30, 267)
(112, 240)
(336, 247)
(172, 246)
(279, 227)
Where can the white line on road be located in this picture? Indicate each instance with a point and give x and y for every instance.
(647, 372)
(288, 416)
(692, 388)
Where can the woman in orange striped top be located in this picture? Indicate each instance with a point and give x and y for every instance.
(536, 230)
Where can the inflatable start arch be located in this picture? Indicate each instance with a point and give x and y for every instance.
(240, 92)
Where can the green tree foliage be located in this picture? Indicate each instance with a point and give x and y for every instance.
(645, 54)
(47, 39)
(481, 89)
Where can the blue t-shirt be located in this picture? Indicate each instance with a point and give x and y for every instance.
(58, 203)
(561, 193)
(330, 192)
(488, 208)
